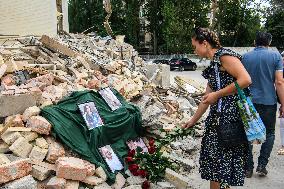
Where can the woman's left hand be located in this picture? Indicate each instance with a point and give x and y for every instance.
(210, 98)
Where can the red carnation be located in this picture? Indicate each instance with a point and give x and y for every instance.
(146, 184)
(128, 159)
(142, 173)
(131, 153)
(151, 142)
(135, 173)
(133, 167)
(151, 150)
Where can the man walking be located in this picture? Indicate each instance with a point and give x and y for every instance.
(266, 71)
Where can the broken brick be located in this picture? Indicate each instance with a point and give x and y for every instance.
(39, 124)
(71, 168)
(14, 170)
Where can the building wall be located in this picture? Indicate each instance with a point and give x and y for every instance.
(65, 15)
(30, 17)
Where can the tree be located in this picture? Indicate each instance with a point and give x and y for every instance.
(275, 23)
(90, 15)
(237, 22)
(153, 14)
(132, 21)
(86, 14)
(180, 17)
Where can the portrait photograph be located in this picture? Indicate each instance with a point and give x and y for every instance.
(133, 144)
(110, 98)
(91, 115)
(111, 158)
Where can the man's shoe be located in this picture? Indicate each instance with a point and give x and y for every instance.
(249, 173)
(261, 171)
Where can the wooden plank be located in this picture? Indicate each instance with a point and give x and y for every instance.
(21, 129)
(6, 126)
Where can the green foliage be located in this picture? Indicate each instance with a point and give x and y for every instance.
(155, 164)
(180, 17)
(85, 14)
(156, 21)
(91, 14)
(237, 23)
(170, 22)
(175, 134)
(275, 23)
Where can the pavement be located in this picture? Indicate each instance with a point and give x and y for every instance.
(275, 167)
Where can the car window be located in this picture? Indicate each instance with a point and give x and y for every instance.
(173, 60)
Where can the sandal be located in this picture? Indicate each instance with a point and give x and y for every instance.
(280, 151)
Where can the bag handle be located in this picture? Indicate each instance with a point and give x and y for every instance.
(219, 108)
(240, 92)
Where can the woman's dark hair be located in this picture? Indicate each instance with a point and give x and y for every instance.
(201, 34)
(263, 39)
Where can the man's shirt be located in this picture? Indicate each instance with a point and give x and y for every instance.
(261, 65)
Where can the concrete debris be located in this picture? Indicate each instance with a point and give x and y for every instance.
(176, 179)
(35, 73)
(27, 182)
(40, 173)
(56, 183)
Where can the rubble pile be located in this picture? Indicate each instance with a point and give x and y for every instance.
(38, 72)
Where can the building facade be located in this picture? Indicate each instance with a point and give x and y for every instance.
(31, 17)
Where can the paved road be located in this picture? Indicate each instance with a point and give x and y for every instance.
(275, 177)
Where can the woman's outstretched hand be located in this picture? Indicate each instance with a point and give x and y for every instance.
(210, 98)
(188, 124)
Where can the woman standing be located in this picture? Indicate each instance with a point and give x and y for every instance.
(223, 167)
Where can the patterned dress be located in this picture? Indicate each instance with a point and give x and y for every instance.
(223, 165)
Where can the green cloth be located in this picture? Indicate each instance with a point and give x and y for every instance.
(119, 126)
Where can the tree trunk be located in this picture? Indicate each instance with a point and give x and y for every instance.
(155, 40)
(213, 10)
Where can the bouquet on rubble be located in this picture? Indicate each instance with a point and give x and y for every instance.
(151, 165)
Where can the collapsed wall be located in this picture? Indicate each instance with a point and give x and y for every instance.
(38, 73)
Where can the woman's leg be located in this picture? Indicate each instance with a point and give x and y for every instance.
(214, 185)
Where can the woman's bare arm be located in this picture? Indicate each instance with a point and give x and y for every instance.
(235, 68)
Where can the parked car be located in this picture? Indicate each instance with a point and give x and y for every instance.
(161, 61)
(182, 64)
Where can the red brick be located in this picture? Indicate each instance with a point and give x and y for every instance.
(14, 170)
(71, 168)
(39, 124)
(91, 168)
(55, 150)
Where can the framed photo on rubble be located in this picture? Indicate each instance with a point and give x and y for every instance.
(135, 143)
(110, 98)
(111, 158)
(91, 115)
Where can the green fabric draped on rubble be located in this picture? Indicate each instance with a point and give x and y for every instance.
(119, 126)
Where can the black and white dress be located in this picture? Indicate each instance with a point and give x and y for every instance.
(223, 165)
